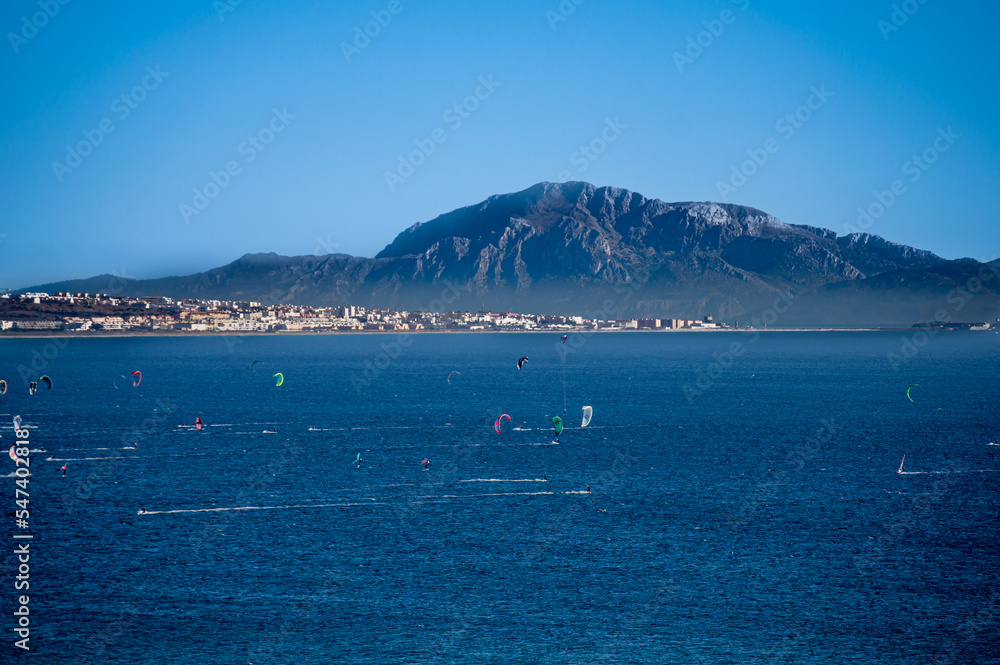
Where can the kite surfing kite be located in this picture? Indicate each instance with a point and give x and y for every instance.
(13, 454)
(120, 376)
(521, 362)
(3, 387)
(136, 378)
(46, 380)
(280, 379)
(588, 413)
(253, 365)
(557, 421)
(198, 423)
(454, 372)
(496, 425)
(915, 385)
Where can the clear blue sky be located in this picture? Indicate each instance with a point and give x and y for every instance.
(320, 184)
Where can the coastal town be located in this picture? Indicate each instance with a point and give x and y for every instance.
(98, 313)
(101, 313)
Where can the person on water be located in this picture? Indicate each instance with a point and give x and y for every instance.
(142, 511)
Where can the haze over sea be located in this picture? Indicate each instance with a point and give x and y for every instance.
(757, 519)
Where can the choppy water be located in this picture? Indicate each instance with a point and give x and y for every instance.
(743, 509)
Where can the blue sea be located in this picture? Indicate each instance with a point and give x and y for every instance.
(735, 499)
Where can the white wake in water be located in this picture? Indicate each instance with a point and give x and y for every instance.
(238, 508)
(504, 480)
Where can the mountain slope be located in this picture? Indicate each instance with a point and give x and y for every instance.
(574, 248)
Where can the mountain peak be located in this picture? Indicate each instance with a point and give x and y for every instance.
(573, 247)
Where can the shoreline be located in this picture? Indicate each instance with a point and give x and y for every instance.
(168, 333)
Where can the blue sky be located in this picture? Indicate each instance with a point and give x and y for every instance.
(670, 101)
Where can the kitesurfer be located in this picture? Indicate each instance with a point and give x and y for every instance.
(557, 422)
(63, 469)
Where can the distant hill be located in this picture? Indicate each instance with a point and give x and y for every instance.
(574, 248)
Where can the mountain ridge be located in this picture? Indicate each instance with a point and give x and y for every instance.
(566, 248)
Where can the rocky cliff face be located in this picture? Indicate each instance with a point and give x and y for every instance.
(574, 248)
(570, 247)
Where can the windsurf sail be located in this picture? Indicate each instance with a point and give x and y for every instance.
(17, 422)
(46, 380)
(425, 462)
(521, 362)
(564, 338)
(915, 385)
(198, 423)
(136, 378)
(557, 421)
(280, 378)
(588, 413)
(901, 465)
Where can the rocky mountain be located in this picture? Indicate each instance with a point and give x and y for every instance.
(574, 248)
